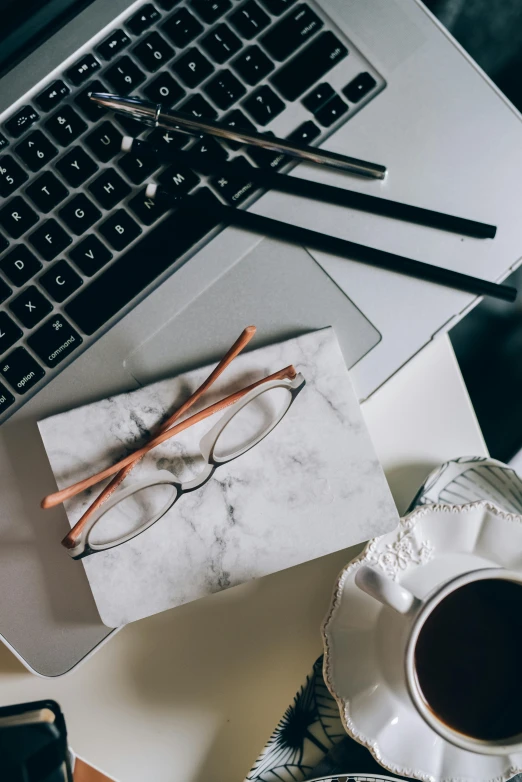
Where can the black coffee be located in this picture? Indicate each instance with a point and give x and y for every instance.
(469, 660)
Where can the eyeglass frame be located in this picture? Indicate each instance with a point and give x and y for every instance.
(207, 445)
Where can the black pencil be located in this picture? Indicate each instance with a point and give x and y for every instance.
(305, 188)
(206, 201)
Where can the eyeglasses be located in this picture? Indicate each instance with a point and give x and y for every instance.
(254, 412)
(132, 511)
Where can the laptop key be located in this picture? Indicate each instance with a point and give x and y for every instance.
(79, 214)
(263, 105)
(249, 20)
(54, 341)
(3, 142)
(119, 230)
(165, 140)
(138, 167)
(198, 107)
(153, 52)
(36, 150)
(20, 121)
(124, 76)
(52, 95)
(277, 7)
(6, 398)
(234, 184)
(11, 175)
(224, 89)
(90, 255)
(141, 21)
(266, 158)
(221, 43)
(253, 65)
(331, 111)
(147, 210)
(182, 28)
(49, 239)
(21, 370)
(193, 67)
(20, 265)
(168, 5)
(9, 332)
(318, 97)
(82, 69)
(305, 133)
(76, 167)
(5, 291)
(104, 141)
(210, 10)
(291, 32)
(30, 306)
(115, 288)
(164, 89)
(65, 126)
(179, 179)
(61, 281)
(359, 87)
(309, 66)
(109, 188)
(88, 108)
(113, 44)
(238, 121)
(210, 151)
(4, 244)
(17, 217)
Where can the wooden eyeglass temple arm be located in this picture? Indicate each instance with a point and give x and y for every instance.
(71, 491)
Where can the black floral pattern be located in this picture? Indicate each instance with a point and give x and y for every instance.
(307, 731)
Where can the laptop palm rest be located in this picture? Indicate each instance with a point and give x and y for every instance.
(47, 612)
(279, 288)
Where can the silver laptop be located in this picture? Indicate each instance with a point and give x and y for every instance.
(100, 291)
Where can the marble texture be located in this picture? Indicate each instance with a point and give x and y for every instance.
(313, 486)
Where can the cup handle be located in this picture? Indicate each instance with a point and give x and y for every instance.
(386, 591)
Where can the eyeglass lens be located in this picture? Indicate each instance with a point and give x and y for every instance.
(131, 514)
(252, 422)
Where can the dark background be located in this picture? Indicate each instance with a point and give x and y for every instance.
(488, 341)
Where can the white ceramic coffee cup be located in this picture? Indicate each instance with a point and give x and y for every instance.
(390, 593)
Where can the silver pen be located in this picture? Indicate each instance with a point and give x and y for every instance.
(154, 115)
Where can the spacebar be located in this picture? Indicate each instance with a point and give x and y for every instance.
(131, 273)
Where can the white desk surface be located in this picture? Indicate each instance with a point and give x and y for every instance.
(192, 694)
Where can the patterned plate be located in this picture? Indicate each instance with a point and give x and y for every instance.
(355, 778)
(311, 727)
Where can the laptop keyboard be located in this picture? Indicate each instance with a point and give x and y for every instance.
(80, 244)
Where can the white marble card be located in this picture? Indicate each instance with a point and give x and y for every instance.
(313, 486)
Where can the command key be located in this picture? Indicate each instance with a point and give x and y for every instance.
(54, 341)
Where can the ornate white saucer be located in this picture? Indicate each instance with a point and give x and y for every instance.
(363, 640)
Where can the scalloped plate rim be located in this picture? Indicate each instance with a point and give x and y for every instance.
(372, 745)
